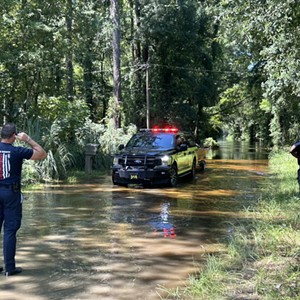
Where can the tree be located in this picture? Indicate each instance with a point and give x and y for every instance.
(65, 50)
(116, 40)
(69, 50)
(264, 35)
(178, 38)
(137, 57)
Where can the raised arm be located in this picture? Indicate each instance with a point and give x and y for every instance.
(38, 151)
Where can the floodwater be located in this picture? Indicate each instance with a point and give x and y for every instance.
(99, 241)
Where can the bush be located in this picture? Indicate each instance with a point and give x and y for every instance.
(210, 142)
(108, 137)
(65, 144)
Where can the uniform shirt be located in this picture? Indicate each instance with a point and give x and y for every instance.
(296, 150)
(11, 160)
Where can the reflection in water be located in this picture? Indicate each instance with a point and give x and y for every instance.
(163, 224)
(239, 150)
(98, 241)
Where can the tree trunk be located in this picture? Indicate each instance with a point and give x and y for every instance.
(69, 55)
(117, 100)
(88, 80)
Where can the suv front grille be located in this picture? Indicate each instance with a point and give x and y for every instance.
(140, 161)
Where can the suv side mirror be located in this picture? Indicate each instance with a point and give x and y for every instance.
(183, 147)
(121, 147)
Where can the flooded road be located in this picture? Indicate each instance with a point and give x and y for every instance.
(99, 241)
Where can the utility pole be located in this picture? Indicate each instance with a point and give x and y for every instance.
(147, 97)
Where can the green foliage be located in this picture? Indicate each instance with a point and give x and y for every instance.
(34, 45)
(265, 105)
(195, 53)
(201, 287)
(65, 118)
(239, 115)
(65, 155)
(210, 142)
(66, 115)
(262, 254)
(178, 37)
(263, 38)
(107, 136)
(56, 164)
(46, 63)
(120, 136)
(59, 149)
(30, 173)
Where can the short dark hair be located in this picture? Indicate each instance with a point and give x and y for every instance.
(8, 130)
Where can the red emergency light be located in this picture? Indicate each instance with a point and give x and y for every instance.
(165, 129)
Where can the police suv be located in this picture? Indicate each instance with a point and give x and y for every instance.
(152, 156)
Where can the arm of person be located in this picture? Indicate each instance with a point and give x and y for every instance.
(294, 151)
(38, 151)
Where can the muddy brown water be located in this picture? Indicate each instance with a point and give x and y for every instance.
(99, 241)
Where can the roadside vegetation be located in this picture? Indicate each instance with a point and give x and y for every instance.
(78, 72)
(262, 257)
(66, 149)
(216, 68)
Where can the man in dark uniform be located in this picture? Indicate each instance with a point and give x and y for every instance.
(295, 151)
(11, 160)
(179, 141)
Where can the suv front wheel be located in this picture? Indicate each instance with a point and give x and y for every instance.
(193, 170)
(173, 176)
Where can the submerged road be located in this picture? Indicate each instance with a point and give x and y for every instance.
(99, 241)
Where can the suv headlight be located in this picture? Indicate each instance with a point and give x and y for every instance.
(116, 160)
(166, 160)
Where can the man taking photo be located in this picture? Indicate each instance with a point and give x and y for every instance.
(11, 161)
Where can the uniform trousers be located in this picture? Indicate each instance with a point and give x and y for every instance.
(10, 220)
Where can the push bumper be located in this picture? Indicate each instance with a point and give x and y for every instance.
(124, 176)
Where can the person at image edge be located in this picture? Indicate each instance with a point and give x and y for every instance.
(295, 151)
(11, 161)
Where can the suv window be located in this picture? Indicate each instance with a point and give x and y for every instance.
(150, 140)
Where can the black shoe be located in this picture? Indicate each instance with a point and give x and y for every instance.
(1, 269)
(14, 272)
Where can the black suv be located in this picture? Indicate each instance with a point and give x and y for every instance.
(154, 157)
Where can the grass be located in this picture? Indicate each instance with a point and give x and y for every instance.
(76, 177)
(262, 261)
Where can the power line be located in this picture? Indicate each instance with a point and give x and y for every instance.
(138, 67)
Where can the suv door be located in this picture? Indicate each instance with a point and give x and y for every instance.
(182, 159)
(190, 157)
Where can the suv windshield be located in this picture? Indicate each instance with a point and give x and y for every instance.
(150, 140)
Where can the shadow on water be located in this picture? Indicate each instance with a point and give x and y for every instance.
(98, 241)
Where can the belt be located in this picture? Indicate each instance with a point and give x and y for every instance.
(5, 186)
(11, 186)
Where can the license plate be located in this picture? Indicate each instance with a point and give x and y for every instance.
(134, 176)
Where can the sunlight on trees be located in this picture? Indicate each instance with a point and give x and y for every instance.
(212, 67)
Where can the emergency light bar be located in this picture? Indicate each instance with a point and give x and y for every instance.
(158, 129)
(165, 129)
